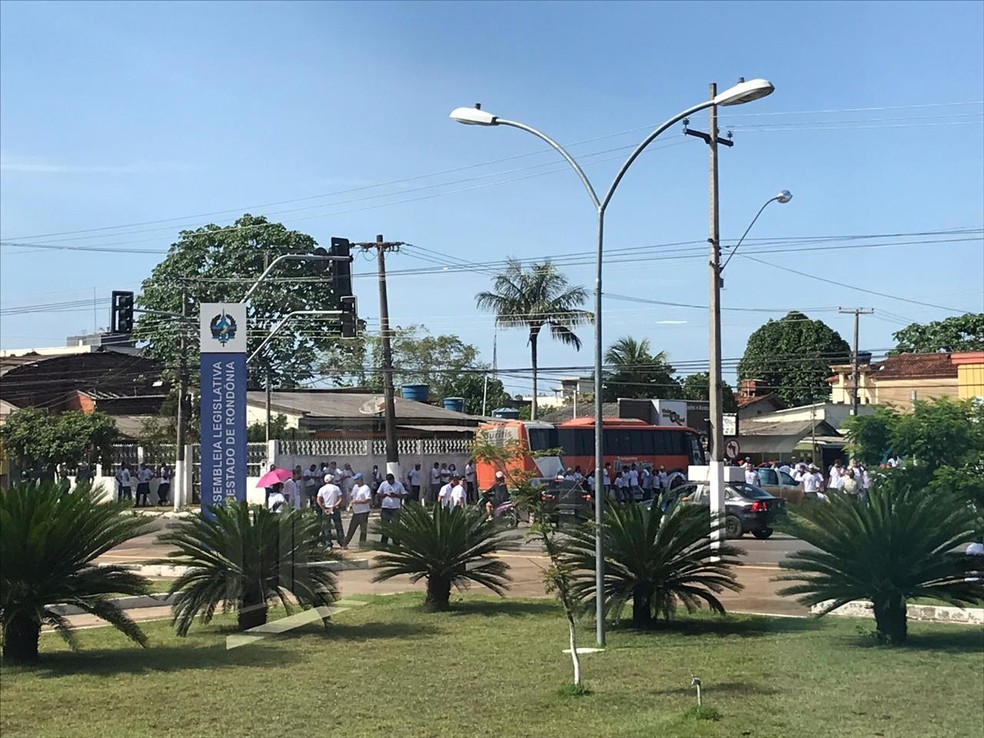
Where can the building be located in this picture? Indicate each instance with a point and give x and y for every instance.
(344, 413)
(901, 378)
(970, 374)
(113, 379)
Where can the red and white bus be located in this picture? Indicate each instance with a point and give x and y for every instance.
(625, 441)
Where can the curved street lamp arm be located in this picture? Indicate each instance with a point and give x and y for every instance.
(771, 200)
(649, 139)
(560, 150)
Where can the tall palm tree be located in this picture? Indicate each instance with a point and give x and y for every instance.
(654, 560)
(534, 299)
(242, 558)
(906, 542)
(48, 545)
(449, 547)
(637, 372)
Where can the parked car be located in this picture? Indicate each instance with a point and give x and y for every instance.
(780, 484)
(748, 509)
(566, 502)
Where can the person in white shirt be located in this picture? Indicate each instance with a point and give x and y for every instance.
(435, 482)
(813, 482)
(836, 480)
(470, 481)
(164, 485)
(330, 502)
(751, 475)
(606, 479)
(144, 475)
(291, 491)
(311, 485)
(276, 502)
(413, 477)
(444, 494)
(391, 494)
(785, 468)
(459, 495)
(359, 504)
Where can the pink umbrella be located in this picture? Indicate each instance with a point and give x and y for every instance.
(274, 476)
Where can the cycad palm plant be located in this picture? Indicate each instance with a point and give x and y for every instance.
(654, 560)
(449, 547)
(538, 298)
(242, 558)
(48, 545)
(905, 543)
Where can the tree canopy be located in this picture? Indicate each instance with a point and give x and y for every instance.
(637, 372)
(448, 365)
(696, 387)
(219, 264)
(39, 438)
(536, 298)
(959, 333)
(792, 357)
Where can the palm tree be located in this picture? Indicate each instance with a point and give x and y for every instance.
(637, 372)
(48, 545)
(447, 547)
(655, 560)
(903, 544)
(242, 558)
(534, 299)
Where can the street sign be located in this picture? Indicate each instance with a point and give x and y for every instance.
(732, 448)
(223, 403)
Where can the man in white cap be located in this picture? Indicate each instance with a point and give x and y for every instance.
(391, 494)
(330, 501)
(359, 503)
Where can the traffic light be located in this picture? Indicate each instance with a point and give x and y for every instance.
(350, 316)
(341, 269)
(121, 320)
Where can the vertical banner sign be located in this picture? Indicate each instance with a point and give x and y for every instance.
(223, 404)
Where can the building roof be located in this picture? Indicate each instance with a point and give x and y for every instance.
(779, 437)
(916, 366)
(328, 406)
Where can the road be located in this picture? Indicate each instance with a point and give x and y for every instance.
(146, 548)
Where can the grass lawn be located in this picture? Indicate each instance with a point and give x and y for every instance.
(493, 668)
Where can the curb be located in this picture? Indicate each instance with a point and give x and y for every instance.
(925, 613)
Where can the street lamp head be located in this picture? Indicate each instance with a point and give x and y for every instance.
(473, 116)
(744, 92)
(783, 197)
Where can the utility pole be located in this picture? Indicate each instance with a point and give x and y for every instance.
(392, 452)
(716, 419)
(180, 475)
(856, 373)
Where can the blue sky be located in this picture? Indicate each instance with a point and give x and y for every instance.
(116, 114)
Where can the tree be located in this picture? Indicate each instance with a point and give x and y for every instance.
(536, 299)
(696, 387)
(792, 358)
(448, 547)
(445, 363)
(901, 545)
(218, 264)
(39, 438)
(243, 558)
(49, 542)
(256, 432)
(654, 560)
(959, 333)
(638, 372)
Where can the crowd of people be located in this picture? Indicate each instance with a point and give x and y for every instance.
(852, 479)
(135, 482)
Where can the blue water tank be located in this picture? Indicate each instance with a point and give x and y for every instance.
(416, 392)
(506, 413)
(455, 404)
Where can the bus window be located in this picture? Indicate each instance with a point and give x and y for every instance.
(542, 438)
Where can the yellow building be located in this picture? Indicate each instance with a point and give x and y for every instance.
(970, 374)
(902, 378)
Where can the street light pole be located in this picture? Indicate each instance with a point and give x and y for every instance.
(741, 93)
